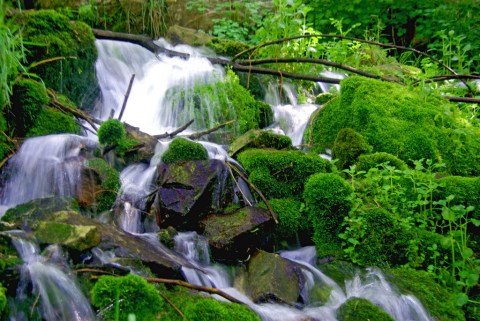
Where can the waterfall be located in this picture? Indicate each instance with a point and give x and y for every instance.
(60, 297)
(44, 166)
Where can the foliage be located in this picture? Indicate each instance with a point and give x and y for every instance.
(182, 149)
(367, 161)
(348, 146)
(361, 309)
(226, 47)
(401, 122)
(327, 203)
(110, 184)
(292, 220)
(281, 174)
(52, 121)
(111, 132)
(61, 52)
(116, 297)
(3, 299)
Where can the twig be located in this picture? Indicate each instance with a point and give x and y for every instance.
(175, 132)
(5, 160)
(272, 213)
(127, 94)
(173, 306)
(238, 186)
(34, 304)
(89, 270)
(211, 130)
(463, 99)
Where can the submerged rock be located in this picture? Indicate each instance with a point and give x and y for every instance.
(236, 235)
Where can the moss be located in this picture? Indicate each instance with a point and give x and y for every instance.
(73, 236)
(3, 299)
(111, 132)
(326, 201)
(132, 294)
(292, 220)
(348, 146)
(50, 35)
(324, 98)
(356, 309)
(29, 97)
(110, 184)
(182, 149)
(281, 174)
(367, 161)
(51, 121)
(260, 139)
(227, 47)
(437, 299)
(402, 122)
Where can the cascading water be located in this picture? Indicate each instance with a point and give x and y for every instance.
(44, 166)
(60, 298)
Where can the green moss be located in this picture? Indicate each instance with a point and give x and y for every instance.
(292, 220)
(50, 35)
(325, 197)
(437, 299)
(402, 122)
(132, 294)
(3, 299)
(110, 184)
(73, 236)
(367, 161)
(227, 47)
(255, 138)
(111, 132)
(323, 98)
(348, 146)
(29, 97)
(182, 149)
(356, 309)
(281, 174)
(51, 121)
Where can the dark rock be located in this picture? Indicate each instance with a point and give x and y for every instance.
(236, 235)
(188, 191)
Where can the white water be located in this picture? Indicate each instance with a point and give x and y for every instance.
(44, 166)
(60, 298)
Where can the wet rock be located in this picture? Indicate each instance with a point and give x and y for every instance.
(236, 235)
(76, 237)
(188, 191)
(273, 278)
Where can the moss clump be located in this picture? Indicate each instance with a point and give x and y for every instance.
(29, 97)
(131, 293)
(50, 35)
(356, 309)
(437, 299)
(3, 299)
(325, 197)
(292, 220)
(51, 121)
(367, 161)
(260, 139)
(111, 132)
(281, 174)
(401, 122)
(227, 47)
(324, 98)
(348, 146)
(110, 184)
(182, 149)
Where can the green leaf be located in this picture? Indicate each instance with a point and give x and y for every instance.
(475, 222)
(461, 299)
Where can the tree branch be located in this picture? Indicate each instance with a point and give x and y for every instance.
(197, 135)
(127, 94)
(175, 132)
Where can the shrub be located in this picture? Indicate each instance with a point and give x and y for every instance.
(281, 174)
(182, 149)
(111, 132)
(367, 161)
(110, 184)
(52, 121)
(348, 146)
(355, 309)
(326, 198)
(131, 293)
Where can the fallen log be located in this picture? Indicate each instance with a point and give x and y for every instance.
(197, 135)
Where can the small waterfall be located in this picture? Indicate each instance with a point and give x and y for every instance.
(44, 166)
(60, 298)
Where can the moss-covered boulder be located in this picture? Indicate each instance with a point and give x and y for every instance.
(281, 174)
(367, 161)
(259, 139)
(402, 122)
(188, 191)
(66, 50)
(273, 278)
(101, 183)
(76, 237)
(356, 309)
(52, 121)
(348, 146)
(236, 235)
(182, 149)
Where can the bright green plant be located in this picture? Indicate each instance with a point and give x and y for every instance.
(348, 146)
(361, 309)
(110, 184)
(52, 121)
(182, 149)
(111, 132)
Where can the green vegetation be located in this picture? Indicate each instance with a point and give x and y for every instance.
(182, 149)
(348, 146)
(292, 219)
(111, 132)
(361, 309)
(109, 187)
(51, 121)
(3, 299)
(367, 161)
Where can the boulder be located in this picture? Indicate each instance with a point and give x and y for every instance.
(273, 278)
(76, 237)
(256, 138)
(236, 235)
(189, 190)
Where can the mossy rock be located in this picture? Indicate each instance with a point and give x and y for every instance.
(227, 47)
(281, 174)
(75, 237)
(70, 45)
(437, 299)
(402, 122)
(324, 98)
(367, 161)
(182, 149)
(348, 146)
(51, 121)
(359, 309)
(111, 132)
(110, 183)
(259, 139)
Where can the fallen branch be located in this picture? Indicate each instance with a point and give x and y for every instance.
(180, 313)
(446, 77)
(272, 213)
(127, 94)
(211, 130)
(175, 132)
(464, 99)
